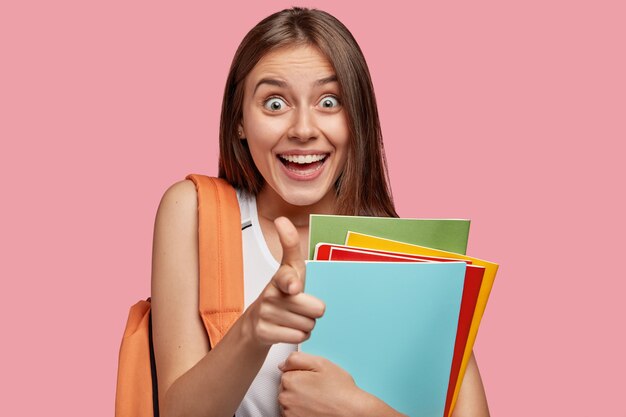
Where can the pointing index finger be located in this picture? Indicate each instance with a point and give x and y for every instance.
(290, 242)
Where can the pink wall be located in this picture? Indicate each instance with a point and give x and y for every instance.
(508, 115)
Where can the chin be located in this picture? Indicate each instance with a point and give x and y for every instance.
(303, 197)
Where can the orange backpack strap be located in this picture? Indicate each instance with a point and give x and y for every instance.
(220, 255)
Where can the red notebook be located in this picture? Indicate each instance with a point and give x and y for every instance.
(322, 253)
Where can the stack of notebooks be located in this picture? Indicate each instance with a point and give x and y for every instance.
(403, 305)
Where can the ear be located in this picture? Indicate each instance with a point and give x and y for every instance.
(241, 133)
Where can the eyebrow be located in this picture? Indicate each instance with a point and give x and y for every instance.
(283, 84)
(330, 79)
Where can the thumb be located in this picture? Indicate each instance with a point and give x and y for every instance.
(300, 361)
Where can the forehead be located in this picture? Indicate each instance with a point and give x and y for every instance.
(291, 62)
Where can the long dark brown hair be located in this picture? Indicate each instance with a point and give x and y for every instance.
(363, 186)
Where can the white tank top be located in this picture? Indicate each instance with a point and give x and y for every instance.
(259, 266)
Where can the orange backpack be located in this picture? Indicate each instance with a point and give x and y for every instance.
(220, 298)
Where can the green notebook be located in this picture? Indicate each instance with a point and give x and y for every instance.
(444, 234)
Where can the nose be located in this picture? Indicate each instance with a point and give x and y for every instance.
(304, 126)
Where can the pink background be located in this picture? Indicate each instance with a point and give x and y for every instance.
(506, 114)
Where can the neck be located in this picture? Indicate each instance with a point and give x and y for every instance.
(270, 206)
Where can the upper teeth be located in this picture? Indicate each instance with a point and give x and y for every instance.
(303, 159)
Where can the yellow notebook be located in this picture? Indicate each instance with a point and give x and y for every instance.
(371, 242)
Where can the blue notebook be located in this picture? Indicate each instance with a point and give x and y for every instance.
(392, 326)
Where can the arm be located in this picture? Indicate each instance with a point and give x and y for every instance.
(472, 401)
(193, 380)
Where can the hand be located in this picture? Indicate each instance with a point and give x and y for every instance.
(283, 313)
(314, 386)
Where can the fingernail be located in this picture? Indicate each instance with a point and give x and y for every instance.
(281, 365)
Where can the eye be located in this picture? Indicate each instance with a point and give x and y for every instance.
(330, 102)
(274, 104)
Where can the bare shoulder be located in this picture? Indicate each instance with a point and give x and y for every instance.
(180, 199)
(176, 222)
(175, 244)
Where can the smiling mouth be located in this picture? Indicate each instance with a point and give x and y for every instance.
(303, 164)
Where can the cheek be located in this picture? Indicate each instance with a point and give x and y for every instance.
(262, 133)
(337, 129)
(259, 137)
(341, 142)
(260, 154)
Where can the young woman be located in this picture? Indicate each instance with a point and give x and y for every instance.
(299, 134)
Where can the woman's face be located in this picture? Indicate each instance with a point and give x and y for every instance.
(295, 124)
